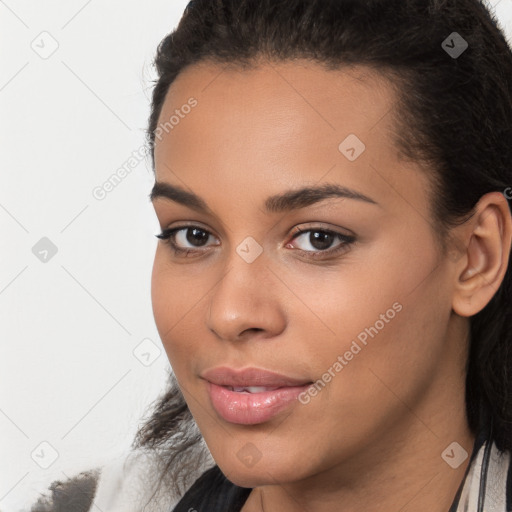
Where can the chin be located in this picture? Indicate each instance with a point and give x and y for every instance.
(250, 477)
(262, 473)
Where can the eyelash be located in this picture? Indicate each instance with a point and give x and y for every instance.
(168, 237)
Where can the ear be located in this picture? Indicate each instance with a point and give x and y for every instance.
(486, 240)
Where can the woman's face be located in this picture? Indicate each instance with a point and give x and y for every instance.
(358, 303)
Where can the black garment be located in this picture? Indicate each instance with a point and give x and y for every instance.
(481, 437)
(213, 492)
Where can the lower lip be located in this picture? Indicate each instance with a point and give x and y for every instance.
(252, 408)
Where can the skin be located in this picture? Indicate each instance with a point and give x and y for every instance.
(372, 439)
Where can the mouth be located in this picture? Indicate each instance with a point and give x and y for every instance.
(251, 396)
(250, 389)
(251, 378)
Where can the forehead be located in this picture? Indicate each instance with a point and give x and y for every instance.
(280, 124)
(275, 95)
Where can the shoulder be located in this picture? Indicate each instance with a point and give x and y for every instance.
(489, 477)
(74, 495)
(127, 483)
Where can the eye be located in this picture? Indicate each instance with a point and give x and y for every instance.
(320, 241)
(178, 238)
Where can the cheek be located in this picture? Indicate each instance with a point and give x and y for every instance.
(385, 317)
(161, 295)
(169, 305)
(386, 361)
(180, 306)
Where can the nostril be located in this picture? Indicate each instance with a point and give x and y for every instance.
(253, 329)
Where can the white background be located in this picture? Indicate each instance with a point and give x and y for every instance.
(69, 326)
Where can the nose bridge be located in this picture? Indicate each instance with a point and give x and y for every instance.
(243, 281)
(243, 298)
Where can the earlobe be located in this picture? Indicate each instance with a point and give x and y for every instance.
(481, 270)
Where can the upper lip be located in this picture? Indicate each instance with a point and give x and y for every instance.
(225, 376)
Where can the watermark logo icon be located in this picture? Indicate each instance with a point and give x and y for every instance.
(45, 45)
(454, 455)
(352, 147)
(44, 250)
(454, 45)
(455, 248)
(44, 455)
(249, 249)
(146, 352)
(249, 455)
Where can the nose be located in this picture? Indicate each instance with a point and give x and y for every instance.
(246, 301)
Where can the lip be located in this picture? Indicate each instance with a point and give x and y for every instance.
(226, 376)
(251, 408)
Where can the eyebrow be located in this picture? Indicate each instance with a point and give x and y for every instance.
(283, 202)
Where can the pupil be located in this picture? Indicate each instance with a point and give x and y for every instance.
(194, 238)
(320, 240)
